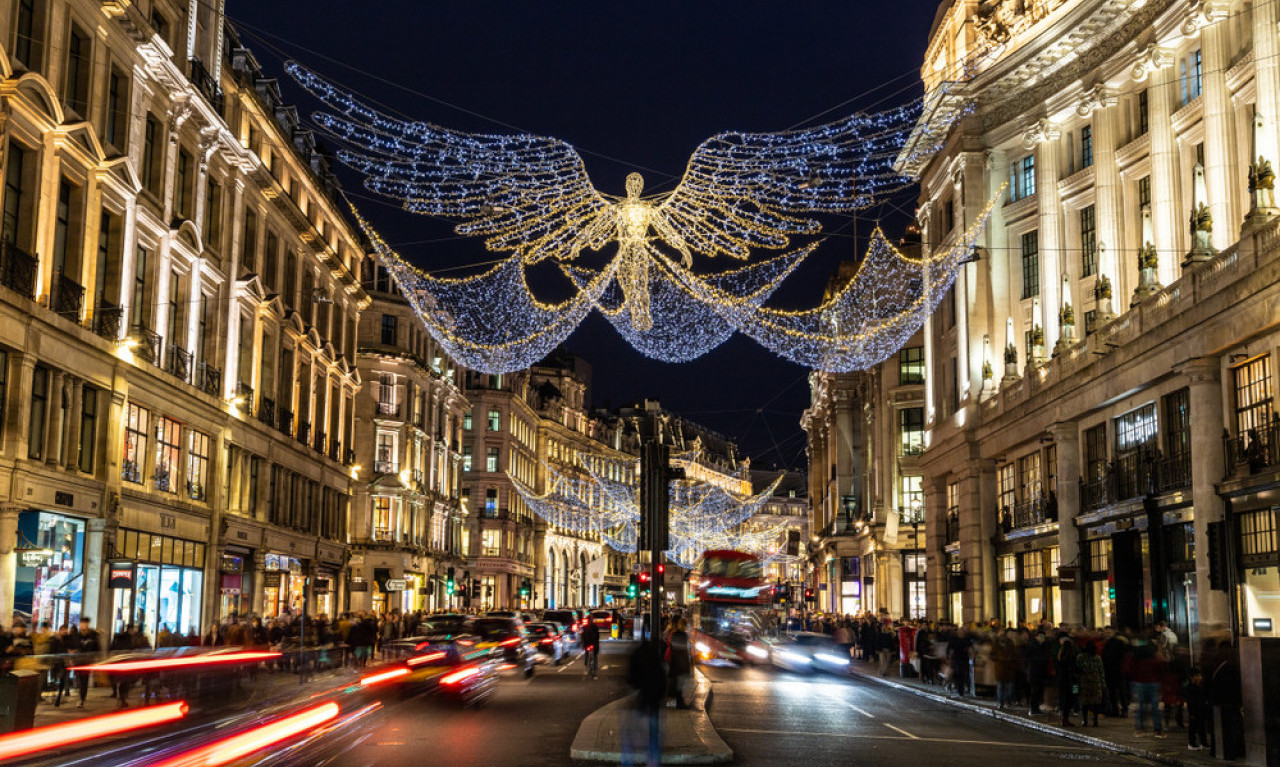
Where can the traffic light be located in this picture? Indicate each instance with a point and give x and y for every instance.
(449, 584)
(475, 586)
(633, 587)
(525, 588)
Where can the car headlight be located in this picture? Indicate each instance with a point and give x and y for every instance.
(795, 657)
(834, 660)
(702, 647)
(758, 652)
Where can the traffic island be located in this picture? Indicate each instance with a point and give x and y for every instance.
(687, 734)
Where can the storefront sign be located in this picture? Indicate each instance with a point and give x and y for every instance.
(395, 584)
(1261, 625)
(34, 557)
(63, 498)
(120, 575)
(1068, 577)
(323, 585)
(271, 579)
(359, 585)
(232, 564)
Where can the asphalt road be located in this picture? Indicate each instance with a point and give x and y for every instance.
(526, 722)
(772, 717)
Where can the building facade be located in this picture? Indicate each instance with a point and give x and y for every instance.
(865, 438)
(177, 341)
(788, 508)
(407, 516)
(1101, 454)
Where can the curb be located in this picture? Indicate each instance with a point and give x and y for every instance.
(1030, 724)
(601, 725)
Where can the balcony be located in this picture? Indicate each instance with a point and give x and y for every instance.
(284, 421)
(244, 393)
(1134, 475)
(107, 319)
(1254, 451)
(390, 409)
(318, 443)
(384, 467)
(348, 457)
(335, 450)
(304, 432)
(147, 344)
(67, 297)
(17, 269)
(204, 82)
(208, 378)
(178, 363)
(267, 411)
(418, 478)
(1029, 512)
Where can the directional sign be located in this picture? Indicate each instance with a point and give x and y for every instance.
(395, 584)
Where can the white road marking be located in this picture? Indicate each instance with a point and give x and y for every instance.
(902, 731)
(860, 736)
(862, 711)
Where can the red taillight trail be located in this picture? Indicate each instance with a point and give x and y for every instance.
(53, 736)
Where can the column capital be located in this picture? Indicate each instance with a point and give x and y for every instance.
(1203, 13)
(1201, 370)
(1040, 131)
(1097, 97)
(1151, 59)
(1064, 431)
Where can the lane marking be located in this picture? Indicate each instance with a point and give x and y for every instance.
(902, 731)
(858, 736)
(862, 711)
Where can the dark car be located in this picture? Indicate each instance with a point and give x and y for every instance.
(565, 618)
(456, 666)
(550, 640)
(508, 638)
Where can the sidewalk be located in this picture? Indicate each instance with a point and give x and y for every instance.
(687, 735)
(1112, 733)
(266, 686)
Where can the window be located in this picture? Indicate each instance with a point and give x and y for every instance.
(197, 465)
(1008, 486)
(4, 385)
(381, 518)
(1088, 242)
(386, 452)
(1086, 146)
(1030, 264)
(135, 443)
(466, 458)
(490, 543)
(88, 429)
(491, 501)
(1022, 178)
(386, 392)
(1257, 533)
(1095, 453)
(168, 453)
(495, 420)
(1144, 193)
(1177, 424)
(270, 260)
(212, 213)
(184, 175)
(491, 459)
(911, 365)
(466, 421)
(39, 411)
(28, 45)
(79, 59)
(1090, 320)
(1191, 77)
(911, 497)
(249, 252)
(389, 329)
(1144, 120)
(1253, 395)
(1136, 428)
(1029, 485)
(116, 120)
(1033, 565)
(911, 428)
(1009, 568)
(66, 235)
(17, 198)
(152, 146)
(1100, 556)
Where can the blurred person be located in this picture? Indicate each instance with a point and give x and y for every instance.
(590, 641)
(1092, 683)
(680, 662)
(89, 650)
(1198, 711)
(1114, 650)
(960, 653)
(1065, 667)
(1004, 660)
(1037, 657)
(647, 676)
(1145, 669)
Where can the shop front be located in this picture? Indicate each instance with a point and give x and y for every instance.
(163, 594)
(1260, 576)
(850, 586)
(49, 580)
(235, 585)
(284, 585)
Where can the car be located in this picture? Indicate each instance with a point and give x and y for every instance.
(508, 638)
(564, 618)
(550, 640)
(603, 619)
(807, 651)
(455, 666)
(502, 614)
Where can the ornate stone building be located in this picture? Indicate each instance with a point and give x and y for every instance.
(407, 516)
(789, 507)
(866, 434)
(1113, 470)
(177, 326)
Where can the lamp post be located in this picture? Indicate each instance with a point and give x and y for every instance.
(917, 508)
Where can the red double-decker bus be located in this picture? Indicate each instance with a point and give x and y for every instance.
(731, 597)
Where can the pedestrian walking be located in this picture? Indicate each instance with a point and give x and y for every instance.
(679, 663)
(1064, 665)
(1198, 711)
(1092, 684)
(646, 675)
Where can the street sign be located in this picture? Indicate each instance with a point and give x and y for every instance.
(636, 568)
(395, 584)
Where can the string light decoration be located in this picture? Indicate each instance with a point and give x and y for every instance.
(531, 196)
(703, 516)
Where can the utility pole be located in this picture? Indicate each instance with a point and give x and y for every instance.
(655, 477)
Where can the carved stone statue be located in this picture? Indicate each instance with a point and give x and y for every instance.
(1102, 288)
(1261, 176)
(1201, 219)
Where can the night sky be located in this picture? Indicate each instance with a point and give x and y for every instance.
(634, 87)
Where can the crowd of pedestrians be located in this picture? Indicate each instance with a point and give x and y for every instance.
(1078, 675)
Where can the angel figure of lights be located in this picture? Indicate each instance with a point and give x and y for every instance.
(530, 196)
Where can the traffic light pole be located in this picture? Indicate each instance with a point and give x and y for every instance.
(655, 474)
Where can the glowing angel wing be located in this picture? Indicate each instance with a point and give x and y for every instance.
(524, 193)
(745, 190)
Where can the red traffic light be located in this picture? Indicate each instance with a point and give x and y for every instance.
(662, 569)
(644, 577)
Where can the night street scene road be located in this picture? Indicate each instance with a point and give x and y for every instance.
(691, 383)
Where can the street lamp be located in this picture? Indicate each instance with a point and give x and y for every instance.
(917, 507)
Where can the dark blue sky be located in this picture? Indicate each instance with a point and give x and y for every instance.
(634, 86)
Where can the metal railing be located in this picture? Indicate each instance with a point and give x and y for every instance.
(348, 457)
(204, 82)
(67, 297)
(1029, 512)
(107, 319)
(335, 449)
(1134, 475)
(208, 378)
(384, 467)
(953, 528)
(319, 443)
(284, 420)
(1255, 450)
(148, 343)
(267, 411)
(244, 393)
(304, 432)
(18, 269)
(178, 363)
(389, 408)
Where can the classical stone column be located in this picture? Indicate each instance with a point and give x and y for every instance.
(977, 527)
(847, 431)
(1044, 138)
(8, 559)
(1168, 218)
(96, 597)
(1066, 435)
(1106, 141)
(1223, 172)
(935, 534)
(1208, 467)
(1266, 76)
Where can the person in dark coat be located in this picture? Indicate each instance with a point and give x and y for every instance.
(1037, 655)
(1113, 653)
(646, 674)
(960, 653)
(90, 648)
(680, 663)
(1064, 663)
